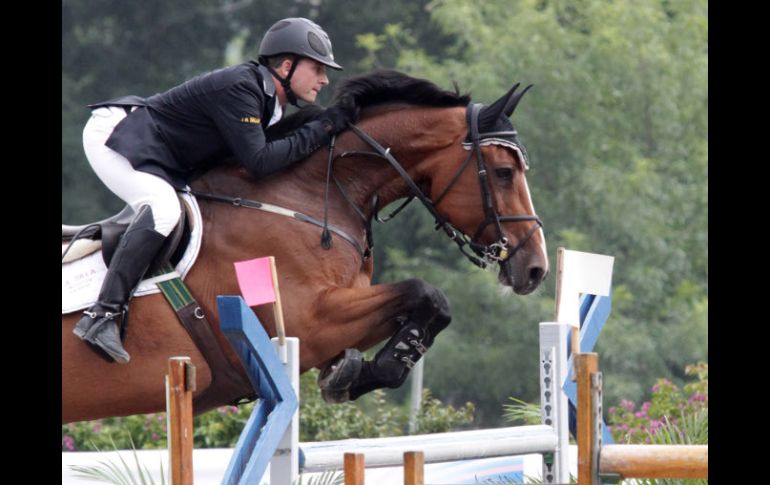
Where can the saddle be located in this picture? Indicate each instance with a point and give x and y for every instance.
(105, 235)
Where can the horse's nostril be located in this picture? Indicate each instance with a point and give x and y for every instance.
(536, 274)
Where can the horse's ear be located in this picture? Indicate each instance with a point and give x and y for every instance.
(489, 114)
(513, 101)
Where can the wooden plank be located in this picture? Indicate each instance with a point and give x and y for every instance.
(656, 461)
(354, 469)
(586, 364)
(180, 419)
(414, 468)
(277, 308)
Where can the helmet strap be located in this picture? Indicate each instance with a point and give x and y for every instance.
(286, 82)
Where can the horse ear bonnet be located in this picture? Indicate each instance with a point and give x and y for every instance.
(489, 117)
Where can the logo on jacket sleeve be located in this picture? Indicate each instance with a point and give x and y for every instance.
(250, 119)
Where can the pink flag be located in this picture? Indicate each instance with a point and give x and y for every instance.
(256, 281)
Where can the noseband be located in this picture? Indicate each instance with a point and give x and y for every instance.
(485, 255)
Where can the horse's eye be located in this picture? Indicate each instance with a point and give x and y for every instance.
(505, 174)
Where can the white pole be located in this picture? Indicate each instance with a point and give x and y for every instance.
(284, 467)
(553, 400)
(414, 410)
(438, 447)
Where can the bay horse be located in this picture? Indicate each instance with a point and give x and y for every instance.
(462, 160)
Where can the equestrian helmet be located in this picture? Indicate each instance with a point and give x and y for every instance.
(298, 36)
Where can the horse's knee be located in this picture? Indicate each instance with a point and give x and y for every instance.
(428, 302)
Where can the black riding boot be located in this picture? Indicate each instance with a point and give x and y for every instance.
(99, 325)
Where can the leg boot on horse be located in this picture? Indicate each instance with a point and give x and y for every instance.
(100, 325)
(350, 376)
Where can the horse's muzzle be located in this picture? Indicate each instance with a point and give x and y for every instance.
(522, 278)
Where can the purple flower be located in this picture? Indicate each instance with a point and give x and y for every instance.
(627, 404)
(697, 397)
(96, 428)
(68, 443)
(613, 409)
(640, 414)
(155, 437)
(646, 406)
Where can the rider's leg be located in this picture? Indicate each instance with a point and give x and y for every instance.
(158, 211)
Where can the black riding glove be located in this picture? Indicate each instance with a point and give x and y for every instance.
(336, 119)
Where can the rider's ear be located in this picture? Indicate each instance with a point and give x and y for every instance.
(286, 66)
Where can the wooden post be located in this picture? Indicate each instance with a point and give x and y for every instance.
(414, 468)
(280, 329)
(354, 469)
(180, 384)
(277, 308)
(586, 364)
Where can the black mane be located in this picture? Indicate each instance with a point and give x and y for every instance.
(388, 86)
(382, 86)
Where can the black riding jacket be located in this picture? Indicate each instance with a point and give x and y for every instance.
(209, 118)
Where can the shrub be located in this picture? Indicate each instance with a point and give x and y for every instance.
(670, 409)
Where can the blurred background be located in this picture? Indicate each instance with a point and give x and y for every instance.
(616, 128)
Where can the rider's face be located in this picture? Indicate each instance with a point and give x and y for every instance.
(308, 79)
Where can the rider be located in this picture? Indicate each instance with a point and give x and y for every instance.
(144, 150)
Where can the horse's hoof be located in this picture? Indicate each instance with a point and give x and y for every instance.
(339, 375)
(335, 397)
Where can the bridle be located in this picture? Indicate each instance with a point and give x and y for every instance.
(483, 255)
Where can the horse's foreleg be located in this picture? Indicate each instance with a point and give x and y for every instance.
(414, 312)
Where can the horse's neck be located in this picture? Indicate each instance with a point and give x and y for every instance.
(415, 137)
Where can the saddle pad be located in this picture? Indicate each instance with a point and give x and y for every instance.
(81, 280)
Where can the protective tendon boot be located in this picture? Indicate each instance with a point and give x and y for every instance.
(99, 325)
(392, 363)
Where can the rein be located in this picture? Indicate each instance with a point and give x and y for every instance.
(255, 204)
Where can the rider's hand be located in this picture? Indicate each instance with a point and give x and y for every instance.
(336, 118)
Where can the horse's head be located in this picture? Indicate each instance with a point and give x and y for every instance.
(483, 193)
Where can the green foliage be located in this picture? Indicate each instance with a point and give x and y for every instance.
(435, 417)
(672, 415)
(617, 130)
(372, 416)
(221, 427)
(521, 412)
(110, 472)
(145, 431)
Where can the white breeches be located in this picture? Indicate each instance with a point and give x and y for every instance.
(134, 187)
